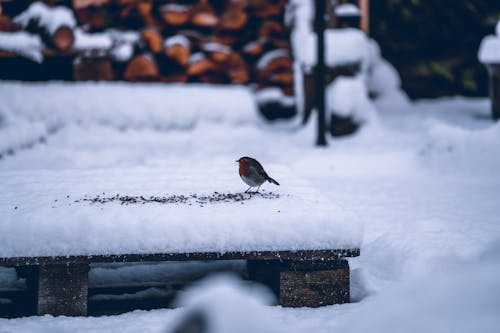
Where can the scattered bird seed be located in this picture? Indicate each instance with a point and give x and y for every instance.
(179, 198)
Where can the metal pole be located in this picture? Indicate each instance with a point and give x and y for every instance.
(319, 28)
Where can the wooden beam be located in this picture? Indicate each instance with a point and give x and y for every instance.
(246, 255)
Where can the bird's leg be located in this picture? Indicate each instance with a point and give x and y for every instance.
(248, 189)
(258, 189)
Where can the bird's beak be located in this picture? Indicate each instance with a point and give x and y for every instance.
(237, 161)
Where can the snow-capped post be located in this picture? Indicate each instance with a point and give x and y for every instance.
(494, 89)
(319, 28)
(489, 55)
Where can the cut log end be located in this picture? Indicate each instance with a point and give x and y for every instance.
(174, 14)
(179, 53)
(205, 19)
(200, 67)
(233, 18)
(63, 38)
(141, 68)
(153, 39)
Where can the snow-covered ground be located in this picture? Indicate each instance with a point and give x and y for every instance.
(424, 179)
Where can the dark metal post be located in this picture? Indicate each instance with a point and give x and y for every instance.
(319, 28)
(494, 73)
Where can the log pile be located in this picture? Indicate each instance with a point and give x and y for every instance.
(207, 41)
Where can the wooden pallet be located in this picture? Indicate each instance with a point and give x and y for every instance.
(299, 278)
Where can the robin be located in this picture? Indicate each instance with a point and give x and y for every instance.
(253, 174)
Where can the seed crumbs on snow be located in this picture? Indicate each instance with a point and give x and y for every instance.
(179, 198)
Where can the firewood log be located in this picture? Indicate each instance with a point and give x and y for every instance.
(152, 39)
(272, 29)
(142, 67)
(93, 13)
(137, 13)
(174, 14)
(283, 78)
(178, 49)
(233, 17)
(264, 9)
(217, 52)
(225, 37)
(255, 48)
(93, 17)
(199, 64)
(93, 69)
(196, 38)
(7, 25)
(54, 25)
(180, 77)
(79, 4)
(273, 62)
(237, 68)
(212, 77)
(203, 15)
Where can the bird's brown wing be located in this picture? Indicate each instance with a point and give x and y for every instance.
(260, 170)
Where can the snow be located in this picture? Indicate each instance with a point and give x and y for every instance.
(195, 57)
(270, 56)
(216, 47)
(172, 7)
(489, 50)
(16, 132)
(267, 95)
(423, 179)
(177, 39)
(86, 41)
(23, 43)
(497, 29)
(224, 306)
(128, 105)
(348, 96)
(122, 52)
(50, 18)
(85, 228)
(347, 9)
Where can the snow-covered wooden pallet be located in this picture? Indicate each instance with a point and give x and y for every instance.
(55, 223)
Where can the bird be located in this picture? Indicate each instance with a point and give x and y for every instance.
(252, 173)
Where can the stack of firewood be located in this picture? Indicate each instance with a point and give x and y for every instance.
(208, 41)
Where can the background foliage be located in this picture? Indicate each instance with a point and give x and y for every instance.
(434, 43)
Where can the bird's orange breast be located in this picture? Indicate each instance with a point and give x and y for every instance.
(244, 171)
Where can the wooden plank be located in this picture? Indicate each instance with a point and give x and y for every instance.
(250, 255)
(63, 289)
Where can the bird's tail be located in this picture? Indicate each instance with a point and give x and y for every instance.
(269, 179)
